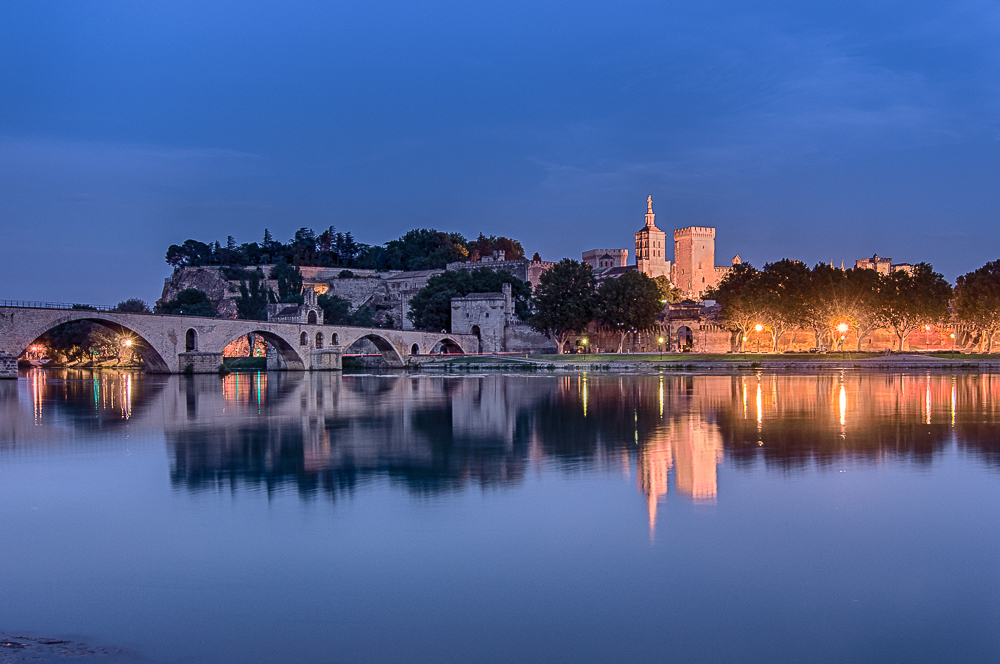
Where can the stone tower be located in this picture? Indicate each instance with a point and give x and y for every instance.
(694, 260)
(650, 249)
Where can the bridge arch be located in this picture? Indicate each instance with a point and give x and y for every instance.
(286, 356)
(151, 357)
(447, 346)
(389, 352)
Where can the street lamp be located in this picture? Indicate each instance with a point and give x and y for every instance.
(661, 348)
(953, 344)
(758, 327)
(842, 328)
(584, 342)
(927, 330)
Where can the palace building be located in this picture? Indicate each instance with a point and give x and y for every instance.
(693, 268)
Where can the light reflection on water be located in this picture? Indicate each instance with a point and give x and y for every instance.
(333, 438)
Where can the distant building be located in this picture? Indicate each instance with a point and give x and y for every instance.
(604, 258)
(650, 246)
(307, 313)
(522, 268)
(882, 265)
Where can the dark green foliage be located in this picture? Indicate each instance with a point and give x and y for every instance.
(84, 307)
(423, 249)
(565, 300)
(254, 297)
(977, 302)
(419, 249)
(629, 303)
(189, 302)
(487, 246)
(133, 306)
(910, 301)
(430, 308)
(289, 282)
(345, 274)
(363, 317)
(786, 295)
(337, 311)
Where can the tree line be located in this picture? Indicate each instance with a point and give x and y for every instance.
(787, 295)
(418, 249)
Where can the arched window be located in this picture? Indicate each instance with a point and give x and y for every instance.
(414, 349)
(303, 339)
(335, 339)
(319, 340)
(312, 318)
(191, 341)
(703, 280)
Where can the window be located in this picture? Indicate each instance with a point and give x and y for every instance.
(319, 340)
(191, 341)
(703, 280)
(303, 339)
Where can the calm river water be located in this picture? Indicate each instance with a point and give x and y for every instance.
(320, 518)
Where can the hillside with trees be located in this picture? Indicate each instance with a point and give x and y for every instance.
(418, 249)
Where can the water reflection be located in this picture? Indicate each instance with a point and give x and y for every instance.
(327, 434)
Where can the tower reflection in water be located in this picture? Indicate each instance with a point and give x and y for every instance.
(328, 434)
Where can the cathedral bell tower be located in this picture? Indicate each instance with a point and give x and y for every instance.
(650, 250)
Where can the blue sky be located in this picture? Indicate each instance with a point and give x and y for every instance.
(818, 131)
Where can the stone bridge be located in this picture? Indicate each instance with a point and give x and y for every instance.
(175, 344)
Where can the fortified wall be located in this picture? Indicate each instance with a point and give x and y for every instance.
(491, 318)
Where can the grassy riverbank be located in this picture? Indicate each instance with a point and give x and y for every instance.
(709, 361)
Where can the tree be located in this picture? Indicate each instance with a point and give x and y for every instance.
(430, 308)
(629, 303)
(860, 295)
(668, 293)
(977, 302)
(133, 305)
(824, 307)
(289, 282)
(487, 246)
(780, 300)
(336, 310)
(254, 297)
(564, 301)
(738, 297)
(189, 302)
(910, 301)
(424, 249)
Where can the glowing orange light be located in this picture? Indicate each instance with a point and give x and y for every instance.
(842, 328)
(758, 327)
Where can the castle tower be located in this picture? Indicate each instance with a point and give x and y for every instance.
(694, 268)
(650, 249)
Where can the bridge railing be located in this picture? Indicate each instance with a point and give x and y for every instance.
(33, 304)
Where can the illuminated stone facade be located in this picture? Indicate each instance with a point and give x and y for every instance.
(650, 246)
(600, 259)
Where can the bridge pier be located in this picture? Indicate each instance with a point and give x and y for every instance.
(8, 366)
(199, 362)
(330, 359)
